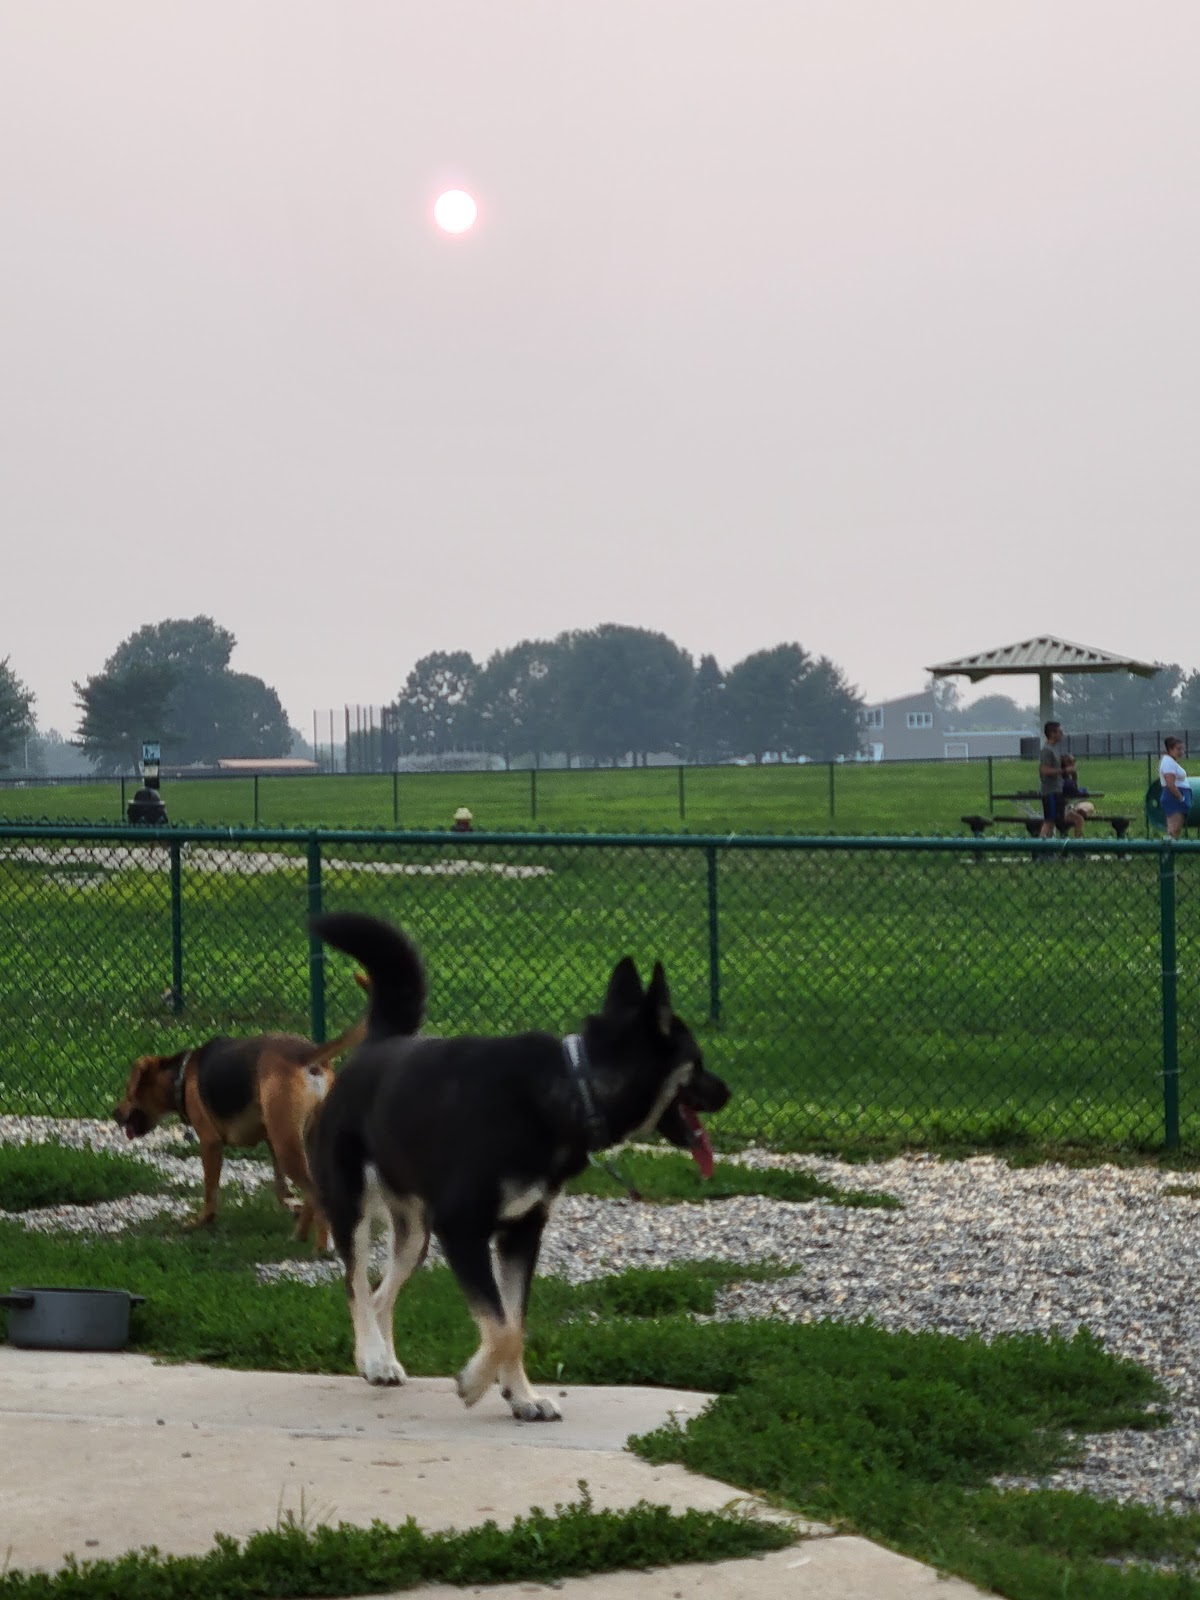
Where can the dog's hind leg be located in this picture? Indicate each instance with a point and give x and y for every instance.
(280, 1184)
(410, 1243)
(468, 1252)
(283, 1111)
(517, 1249)
(371, 1355)
(351, 1212)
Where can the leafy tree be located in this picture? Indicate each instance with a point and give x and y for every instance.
(16, 712)
(172, 681)
(782, 700)
(120, 709)
(195, 645)
(945, 696)
(625, 690)
(433, 704)
(512, 702)
(1187, 714)
(834, 712)
(52, 754)
(706, 739)
(993, 713)
(230, 713)
(1111, 702)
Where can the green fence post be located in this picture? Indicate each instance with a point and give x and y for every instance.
(714, 956)
(832, 811)
(316, 950)
(395, 799)
(256, 799)
(682, 806)
(176, 928)
(991, 789)
(533, 794)
(121, 818)
(1170, 1008)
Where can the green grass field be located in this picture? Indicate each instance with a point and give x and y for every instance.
(855, 1000)
(920, 798)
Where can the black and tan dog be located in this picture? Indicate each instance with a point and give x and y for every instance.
(471, 1139)
(241, 1092)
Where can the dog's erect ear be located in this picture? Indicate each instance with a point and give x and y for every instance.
(658, 1000)
(624, 987)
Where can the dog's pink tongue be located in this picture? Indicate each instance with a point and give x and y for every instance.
(128, 1131)
(702, 1150)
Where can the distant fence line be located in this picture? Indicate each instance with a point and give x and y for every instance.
(851, 989)
(125, 784)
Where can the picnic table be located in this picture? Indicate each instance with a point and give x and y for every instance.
(1033, 824)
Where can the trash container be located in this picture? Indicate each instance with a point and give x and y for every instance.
(147, 806)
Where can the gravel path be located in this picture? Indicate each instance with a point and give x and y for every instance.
(977, 1247)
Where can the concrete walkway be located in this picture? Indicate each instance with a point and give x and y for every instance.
(101, 1454)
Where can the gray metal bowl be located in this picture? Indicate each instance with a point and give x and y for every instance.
(69, 1319)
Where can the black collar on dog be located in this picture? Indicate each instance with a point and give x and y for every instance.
(177, 1089)
(595, 1126)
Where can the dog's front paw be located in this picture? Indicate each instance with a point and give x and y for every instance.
(536, 1408)
(385, 1371)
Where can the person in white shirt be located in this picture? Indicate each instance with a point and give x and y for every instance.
(1176, 790)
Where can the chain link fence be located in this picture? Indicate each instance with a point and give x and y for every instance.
(852, 991)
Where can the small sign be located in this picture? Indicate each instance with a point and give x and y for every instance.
(151, 752)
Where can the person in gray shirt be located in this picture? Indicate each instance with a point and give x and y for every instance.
(1050, 772)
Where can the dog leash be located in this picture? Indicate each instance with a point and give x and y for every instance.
(597, 1129)
(615, 1173)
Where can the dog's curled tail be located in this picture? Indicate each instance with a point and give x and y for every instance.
(395, 970)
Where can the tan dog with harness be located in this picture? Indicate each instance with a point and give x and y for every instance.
(236, 1093)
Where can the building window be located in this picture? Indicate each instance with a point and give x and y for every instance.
(919, 719)
(874, 717)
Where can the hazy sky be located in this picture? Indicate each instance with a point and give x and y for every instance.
(867, 323)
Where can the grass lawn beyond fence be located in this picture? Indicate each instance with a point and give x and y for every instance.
(898, 798)
(853, 998)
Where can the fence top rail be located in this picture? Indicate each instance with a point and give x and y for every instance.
(532, 839)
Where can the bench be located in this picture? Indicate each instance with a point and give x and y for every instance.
(1033, 825)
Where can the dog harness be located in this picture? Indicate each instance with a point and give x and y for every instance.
(598, 1134)
(177, 1087)
(595, 1126)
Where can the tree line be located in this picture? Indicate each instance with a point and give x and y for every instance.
(600, 695)
(169, 681)
(612, 693)
(1091, 702)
